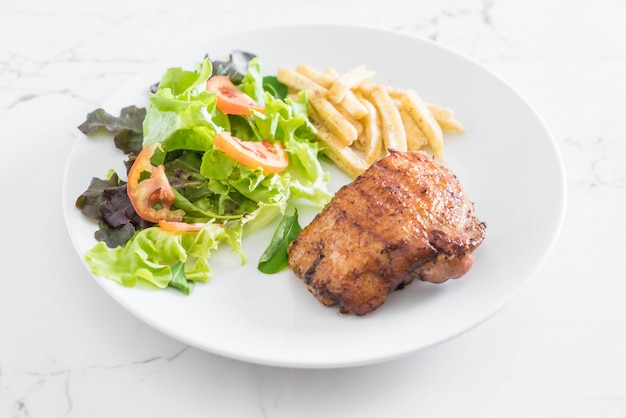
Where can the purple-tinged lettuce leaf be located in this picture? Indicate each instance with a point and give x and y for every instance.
(89, 202)
(114, 237)
(131, 118)
(235, 67)
(130, 142)
(117, 210)
(106, 202)
(128, 127)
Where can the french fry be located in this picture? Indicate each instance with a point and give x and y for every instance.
(297, 81)
(350, 119)
(372, 144)
(445, 118)
(332, 118)
(353, 106)
(332, 71)
(443, 115)
(323, 79)
(418, 109)
(393, 133)
(347, 81)
(365, 88)
(339, 153)
(394, 92)
(415, 138)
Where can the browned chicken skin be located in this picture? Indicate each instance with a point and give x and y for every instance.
(406, 217)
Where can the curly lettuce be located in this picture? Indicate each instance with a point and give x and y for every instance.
(210, 187)
(161, 258)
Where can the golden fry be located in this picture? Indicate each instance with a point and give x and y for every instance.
(445, 118)
(372, 143)
(350, 119)
(297, 81)
(347, 81)
(418, 109)
(332, 71)
(443, 115)
(395, 92)
(394, 135)
(339, 153)
(333, 118)
(353, 106)
(415, 138)
(323, 79)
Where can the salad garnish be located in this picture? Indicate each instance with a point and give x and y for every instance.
(219, 152)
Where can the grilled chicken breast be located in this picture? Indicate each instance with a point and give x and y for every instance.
(406, 217)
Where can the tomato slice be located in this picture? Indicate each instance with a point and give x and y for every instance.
(230, 99)
(151, 198)
(180, 226)
(271, 158)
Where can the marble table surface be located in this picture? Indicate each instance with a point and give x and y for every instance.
(68, 350)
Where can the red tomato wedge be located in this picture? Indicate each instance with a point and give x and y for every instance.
(180, 226)
(152, 197)
(230, 99)
(272, 158)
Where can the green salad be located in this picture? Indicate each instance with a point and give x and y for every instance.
(219, 151)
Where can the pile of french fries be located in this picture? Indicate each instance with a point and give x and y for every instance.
(358, 120)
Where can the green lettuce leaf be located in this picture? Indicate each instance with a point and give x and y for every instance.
(156, 256)
(181, 124)
(181, 82)
(252, 83)
(181, 113)
(274, 258)
(275, 87)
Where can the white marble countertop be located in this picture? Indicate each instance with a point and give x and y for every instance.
(68, 350)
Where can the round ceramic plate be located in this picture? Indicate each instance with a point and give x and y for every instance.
(506, 161)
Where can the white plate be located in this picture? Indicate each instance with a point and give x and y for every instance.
(507, 162)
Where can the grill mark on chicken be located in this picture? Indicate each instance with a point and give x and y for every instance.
(405, 218)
